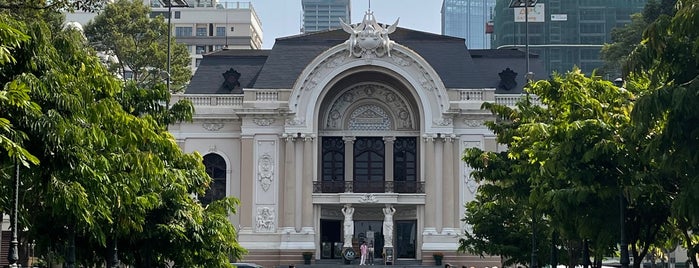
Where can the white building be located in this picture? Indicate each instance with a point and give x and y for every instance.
(371, 120)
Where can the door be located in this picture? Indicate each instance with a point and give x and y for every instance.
(330, 237)
(406, 238)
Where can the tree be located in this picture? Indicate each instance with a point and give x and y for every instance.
(125, 30)
(625, 39)
(105, 178)
(666, 63)
(575, 155)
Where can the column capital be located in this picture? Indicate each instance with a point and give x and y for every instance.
(450, 138)
(349, 139)
(389, 139)
(429, 136)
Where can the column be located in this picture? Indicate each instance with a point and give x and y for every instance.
(282, 180)
(388, 149)
(247, 175)
(289, 182)
(307, 189)
(448, 185)
(349, 160)
(298, 185)
(438, 179)
(458, 179)
(430, 193)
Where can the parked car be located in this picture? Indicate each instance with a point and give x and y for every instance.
(246, 265)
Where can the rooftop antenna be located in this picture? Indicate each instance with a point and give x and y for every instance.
(369, 5)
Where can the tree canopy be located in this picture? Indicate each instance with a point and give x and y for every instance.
(98, 177)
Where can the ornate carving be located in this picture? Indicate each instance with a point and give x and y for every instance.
(369, 117)
(295, 122)
(265, 171)
(507, 79)
(210, 126)
(444, 122)
(394, 101)
(369, 39)
(469, 182)
(265, 219)
(388, 212)
(471, 123)
(368, 198)
(348, 211)
(263, 121)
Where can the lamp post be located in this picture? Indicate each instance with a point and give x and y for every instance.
(170, 4)
(526, 4)
(12, 253)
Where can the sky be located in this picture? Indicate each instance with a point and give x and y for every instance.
(282, 18)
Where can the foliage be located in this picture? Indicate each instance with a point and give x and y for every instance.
(667, 64)
(70, 5)
(104, 177)
(565, 164)
(124, 29)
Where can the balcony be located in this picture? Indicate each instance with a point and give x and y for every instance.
(407, 187)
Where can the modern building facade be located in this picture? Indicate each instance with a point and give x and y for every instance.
(209, 25)
(571, 35)
(469, 19)
(319, 15)
(338, 137)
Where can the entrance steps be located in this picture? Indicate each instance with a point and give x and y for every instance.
(355, 264)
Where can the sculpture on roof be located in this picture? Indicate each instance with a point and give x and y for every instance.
(369, 38)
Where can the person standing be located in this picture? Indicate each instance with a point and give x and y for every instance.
(364, 250)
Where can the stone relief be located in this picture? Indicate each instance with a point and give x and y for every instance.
(263, 121)
(265, 219)
(265, 170)
(368, 198)
(395, 102)
(211, 126)
(295, 122)
(444, 122)
(369, 117)
(471, 123)
(369, 39)
(470, 183)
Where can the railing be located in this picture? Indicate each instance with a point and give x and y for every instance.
(369, 187)
(234, 101)
(512, 99)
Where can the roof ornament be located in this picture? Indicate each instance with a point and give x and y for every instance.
(369, 38)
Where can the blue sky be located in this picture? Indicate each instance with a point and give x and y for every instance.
(283, 17)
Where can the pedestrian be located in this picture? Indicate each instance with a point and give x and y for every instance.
(364, 250)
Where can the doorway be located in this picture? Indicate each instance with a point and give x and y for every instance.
(330, 239)
(406, 238)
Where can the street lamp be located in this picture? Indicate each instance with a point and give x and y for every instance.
(12, 253)
(170, 4)
(526, 4)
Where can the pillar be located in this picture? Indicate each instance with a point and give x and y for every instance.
(388, 148)
(246, 182)
(289, 181)
(448, 185)
(349, 160)
(430, 193)
(307, 188)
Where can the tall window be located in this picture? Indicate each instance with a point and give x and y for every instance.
(369, 164)
(405, 164)
(216, 168)
(220, 31)
(333, 159)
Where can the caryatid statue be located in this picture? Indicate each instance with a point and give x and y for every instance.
(348, 210)
(388, 212)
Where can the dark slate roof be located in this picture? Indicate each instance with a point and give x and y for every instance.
(208, 79)
(279, 67)
(494, 61)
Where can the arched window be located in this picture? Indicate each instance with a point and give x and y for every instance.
(216, 168)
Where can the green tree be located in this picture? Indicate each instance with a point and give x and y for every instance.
(124, 29)
(575, 154)
(106, 178)
(667, 64)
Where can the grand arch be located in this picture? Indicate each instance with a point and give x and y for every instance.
(403, 64)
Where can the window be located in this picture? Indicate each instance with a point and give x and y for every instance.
(183, 31)
(405, 165)
(220, 31)
(201, 31)
(200, 49)
(177, 14)
(368, 164)
(216, 169)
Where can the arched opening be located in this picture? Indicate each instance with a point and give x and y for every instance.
(216, 168)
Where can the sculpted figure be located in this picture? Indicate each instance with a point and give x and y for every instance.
(388, 212)
(348, 210)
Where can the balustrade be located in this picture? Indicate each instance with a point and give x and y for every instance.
(369, 187)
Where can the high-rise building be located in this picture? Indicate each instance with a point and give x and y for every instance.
(321, 15)
(210, 25)
(469, 19)
(204, 25)
(571, 34)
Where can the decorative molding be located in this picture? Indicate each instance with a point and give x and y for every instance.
(474, 123)
(369, 117)
(295, 122)
(399, 112)
(265, 220)
(263, 121)
(368, 198)
(469, 182)
(211, 126)
(265, 169)
(444, 122)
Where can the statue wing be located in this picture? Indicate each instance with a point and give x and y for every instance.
(393, 27)
(348, 28)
